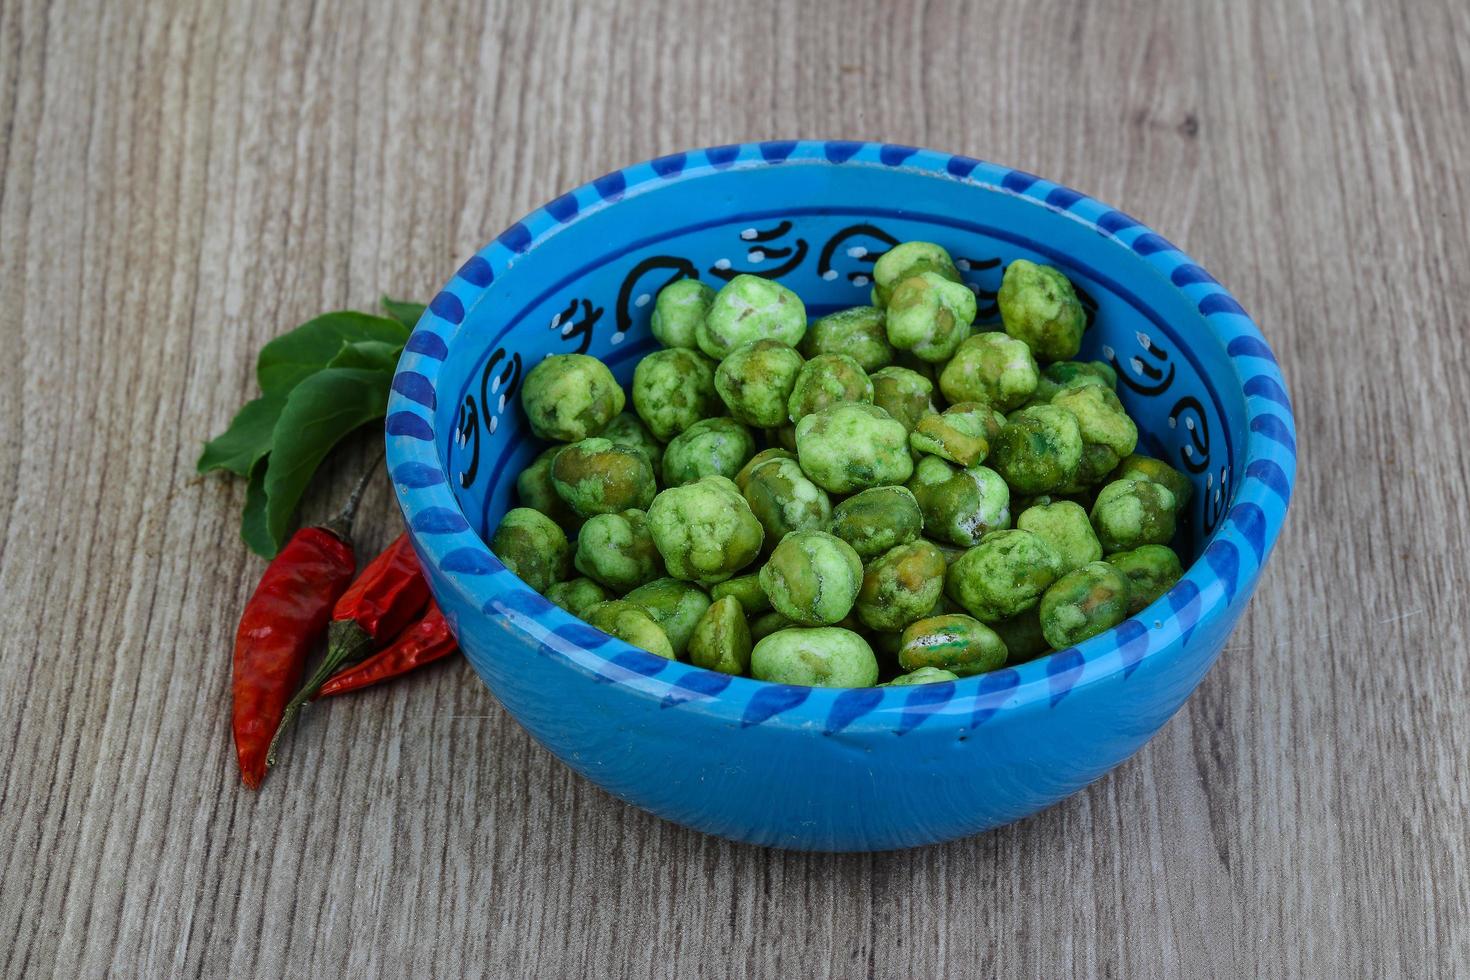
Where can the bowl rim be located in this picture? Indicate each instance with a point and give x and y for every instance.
(1219, 579)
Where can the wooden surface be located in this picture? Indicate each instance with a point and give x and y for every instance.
(180, 181)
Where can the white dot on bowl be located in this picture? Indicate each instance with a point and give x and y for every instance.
(755, 255)
(556, 321)
(642, 300)
(1173, 422)
(1136, 364)
(974, 287)
(1143, 339)
(1189, 424)
(1107, 352)
(962, 264)
(1209, 480)
(494, 423)
(857, 251)
(500, 404)
(748, 234)
(617, 338)
(566, 331)
(494, 386)
(859, 280)
(829, 275)
(722, 263)
(1189, 451)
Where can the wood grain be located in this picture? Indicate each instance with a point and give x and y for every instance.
(180, 181)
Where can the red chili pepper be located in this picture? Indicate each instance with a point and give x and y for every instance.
(281, 623)
(422, 643)
(389, 593)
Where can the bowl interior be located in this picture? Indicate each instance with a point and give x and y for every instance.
(586, 285)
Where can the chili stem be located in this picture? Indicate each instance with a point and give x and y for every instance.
(341, 525)
(347, 643)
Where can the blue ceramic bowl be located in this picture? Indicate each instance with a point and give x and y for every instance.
(815, 768)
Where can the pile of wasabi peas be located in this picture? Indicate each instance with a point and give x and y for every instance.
(885, 494)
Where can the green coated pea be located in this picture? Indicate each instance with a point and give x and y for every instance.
(825, 380)
(904, 394)
(765, 624)
(1151, 570)
(673, 389)
(877, 520)
(1138, 467)
(1022, 636)
(704, 530)
(1004, 574)
(761, 457)
(617, 551)
(568, 397)
(812, 577)
(901, 586)
(960, 434)
(721, 639)
(849, 447)
(596, 476)
(745, 589)
(1108, 434)
(960, 506)
(930, 316)
(709, 447)
(1130, 513)
(906, 260)
(535, 490)
(860, 333)
(826, 656)
(1066, 373)
(577, 595)
(960, 644)
(631, 624)
(1083, 603)
(751, 308)
(991, 368)
(679, 310)
(1039, 449)
(674, 605)
(1039, 307)
(627, 429)
(784, 499)
(1063, 525)
(532, 546)
(755, 381)
(924, 675)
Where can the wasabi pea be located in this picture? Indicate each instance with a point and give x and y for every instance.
(577, 595)
(821, 657)
(850, 447)
(958, 643)
(721, 639)
(924, 675)
(617, 551)
(1022, 636)
(568, 397)
(1004, 574)
(990, 368)
(678, 312)
(709, 447)
(750, 308)
(1083, 603)
(904, 394)
(674, 605)
(704, 530)
(812, 578)
(535, 490)
(930, 316)
(828, 379)
(765, 624)
(1138, 467)
(906, 260)
(1066, 373)
(761, 457)
(756, 380)
(877, 520)
(1108, 434)
(1151, 570)
(1039, 449)
(746, 589)
(1063, 525)
(960, 506)
(673, 389)
(859, 333)
(783, 499)
(901, 586)
(961, 434)
(532, 546)
(1130, 513)
(1040, 308)
(627, 429)
(595, 476)
(631, 624)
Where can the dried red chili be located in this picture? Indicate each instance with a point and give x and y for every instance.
(422, 643)
(282, 622)
(388, 594)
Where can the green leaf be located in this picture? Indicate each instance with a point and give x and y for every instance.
(320, 410)
(371, 354)
(292, 357)
(403, 311)
(247, 440)
(252, 520)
